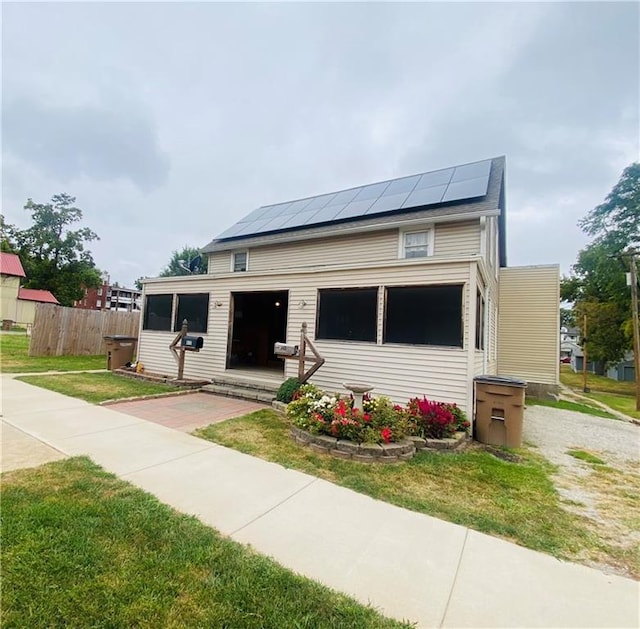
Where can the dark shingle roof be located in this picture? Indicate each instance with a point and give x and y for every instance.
(470, 187)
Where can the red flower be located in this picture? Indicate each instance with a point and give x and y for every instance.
(386, 434)
(342, 408)
(366, 417)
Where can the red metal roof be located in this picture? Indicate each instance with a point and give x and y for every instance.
(10, 265)
(33, 294)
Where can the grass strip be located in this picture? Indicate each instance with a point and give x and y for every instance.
(14, 358)
(602, 384)
(474, 488)
(571, 406)
(81, 548)
(97, 387)
(583, 455)
(623, 403)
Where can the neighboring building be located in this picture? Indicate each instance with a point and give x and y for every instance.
(110, 297)
(403, 285)
(624, 371)
(18, 305)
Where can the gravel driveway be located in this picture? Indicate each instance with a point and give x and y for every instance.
(605, 495)
(554, 431)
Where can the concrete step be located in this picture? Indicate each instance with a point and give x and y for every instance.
(243, 392)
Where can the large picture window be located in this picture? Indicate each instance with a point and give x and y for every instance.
(157, 313)
(424, 315)
(194, 307)
(348, 314)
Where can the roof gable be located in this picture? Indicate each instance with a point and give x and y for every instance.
(10, 265)
(33, 294)
(470, 188)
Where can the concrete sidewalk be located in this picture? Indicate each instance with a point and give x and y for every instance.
(408, 565)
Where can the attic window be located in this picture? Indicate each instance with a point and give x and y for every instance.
(239, 260)
(416, 244)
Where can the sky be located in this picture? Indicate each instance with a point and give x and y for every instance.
(171, 121)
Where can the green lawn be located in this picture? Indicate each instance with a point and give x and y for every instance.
(97, 387)
(623, 403)
(595, 383)
(620, 396)
(570, 406)
(14, 358)
(516, 501)
(81, 548)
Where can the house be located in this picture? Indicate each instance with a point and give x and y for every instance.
(18, 305)
(403, 284)
(109, 296)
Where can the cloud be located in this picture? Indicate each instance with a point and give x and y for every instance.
(68, 142)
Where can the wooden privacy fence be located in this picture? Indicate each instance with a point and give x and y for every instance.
(61, 331)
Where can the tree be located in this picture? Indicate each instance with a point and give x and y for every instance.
(181, 261)
(53, 255)
(138, 282)
(618, 218)
(598, 286)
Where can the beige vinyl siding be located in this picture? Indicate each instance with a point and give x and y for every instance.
(457, 239)
(450, 240)
(400, 371)
(478, 363)
(529, 323)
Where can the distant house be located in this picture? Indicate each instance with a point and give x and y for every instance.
(403, 284)
(17, 304)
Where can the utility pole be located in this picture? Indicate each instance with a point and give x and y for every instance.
(585, 388)
(636, 331)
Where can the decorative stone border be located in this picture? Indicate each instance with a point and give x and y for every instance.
(159, 378)
(363, 452)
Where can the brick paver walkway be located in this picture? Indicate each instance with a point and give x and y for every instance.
(188, 412)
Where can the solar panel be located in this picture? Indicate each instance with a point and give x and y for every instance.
(441, 186)
(466, 189)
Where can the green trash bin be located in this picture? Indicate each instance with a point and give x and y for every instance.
(120, 350)
(499, 411)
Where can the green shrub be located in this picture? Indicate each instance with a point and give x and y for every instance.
(287, 390)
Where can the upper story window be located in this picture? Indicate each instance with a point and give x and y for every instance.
(416, 244)
(239, 261)
(99, 291)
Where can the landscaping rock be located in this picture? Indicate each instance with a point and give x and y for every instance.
(340, 454)
(348, 446)
(392, 449)
(316, 448)
(418, 442)
(325, 441)
(364, 458)
(371, 449)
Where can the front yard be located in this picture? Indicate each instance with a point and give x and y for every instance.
(509, 494)
(81, 548)
(14, 358)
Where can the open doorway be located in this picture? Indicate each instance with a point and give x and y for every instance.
(258, 320)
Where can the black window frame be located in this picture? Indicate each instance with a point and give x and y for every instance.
(480, 308)
(195, 323)
(160, 323)
(406, 315)
(354, 301)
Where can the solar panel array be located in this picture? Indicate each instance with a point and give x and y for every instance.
(440, 186)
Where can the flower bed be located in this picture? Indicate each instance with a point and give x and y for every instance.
(379, 431)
